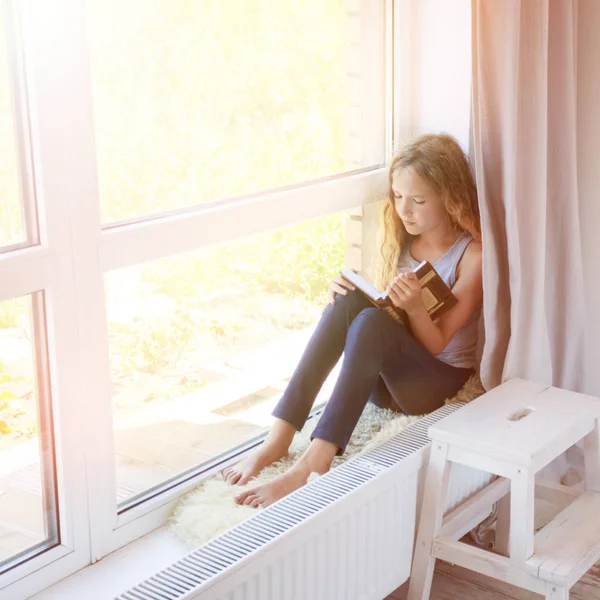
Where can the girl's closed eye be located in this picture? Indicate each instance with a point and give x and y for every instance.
(398, 197)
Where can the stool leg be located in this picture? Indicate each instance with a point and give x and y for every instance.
(522, 497)
(591, 446)
(556, 592)
(432, 513)
(503, 526)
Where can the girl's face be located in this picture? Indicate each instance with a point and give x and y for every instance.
(419, 206)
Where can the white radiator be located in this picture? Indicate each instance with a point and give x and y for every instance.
(348, 535)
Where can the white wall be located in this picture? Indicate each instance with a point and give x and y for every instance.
(588, 107)
(434, 52)
(434, 55)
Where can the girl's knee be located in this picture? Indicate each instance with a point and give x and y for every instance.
(349, 305)
(353, 300)
(372, 319)
(369, 324)
(373, 326)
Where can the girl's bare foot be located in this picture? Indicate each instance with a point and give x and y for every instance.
(317, 458)
(264, 495)
(242, 472)
(272, 449)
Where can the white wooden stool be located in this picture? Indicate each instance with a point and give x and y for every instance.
(513, 431)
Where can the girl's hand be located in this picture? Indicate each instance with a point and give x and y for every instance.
(405, 293)
(338, 286)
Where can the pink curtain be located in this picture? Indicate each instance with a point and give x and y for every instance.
(523, 147)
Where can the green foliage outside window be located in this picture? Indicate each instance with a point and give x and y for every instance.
(195, 102)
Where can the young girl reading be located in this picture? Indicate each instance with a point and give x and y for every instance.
(431, 214)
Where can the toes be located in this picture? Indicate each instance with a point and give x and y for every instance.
(231, 476)
(241, 497)
(243, 479)
(256, 503)
(250, 499)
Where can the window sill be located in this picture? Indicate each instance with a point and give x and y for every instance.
(120, 570)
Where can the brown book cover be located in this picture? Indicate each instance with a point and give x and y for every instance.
(437, 296)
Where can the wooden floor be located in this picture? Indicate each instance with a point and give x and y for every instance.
(455, 583)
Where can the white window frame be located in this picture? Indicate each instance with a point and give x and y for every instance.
(47, 268)
(74, 253)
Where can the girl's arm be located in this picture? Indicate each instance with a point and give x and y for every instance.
(405, 292)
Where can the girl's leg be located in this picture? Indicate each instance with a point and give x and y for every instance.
(274, 447)
(382, 398)
(418, 382)
(320, 356)
(377, 346)
(421, 383)
(317, 459)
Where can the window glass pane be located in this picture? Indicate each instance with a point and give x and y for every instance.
(27, 493)
(200, 101)
(12, 230)
(202, 345)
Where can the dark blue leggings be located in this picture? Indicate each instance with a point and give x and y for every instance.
(382, 363)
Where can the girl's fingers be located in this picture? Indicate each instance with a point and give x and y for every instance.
(395, 297)
(399, 289)
(338, 286)
(404, 286)
(338, 289)
(343, 283)
(410, 280)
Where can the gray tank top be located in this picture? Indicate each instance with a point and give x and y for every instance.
(461, 350)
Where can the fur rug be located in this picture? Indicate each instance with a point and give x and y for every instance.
(210, 510)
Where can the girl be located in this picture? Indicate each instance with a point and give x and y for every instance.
(431, 214)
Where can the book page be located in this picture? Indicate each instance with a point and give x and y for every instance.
(362, 284)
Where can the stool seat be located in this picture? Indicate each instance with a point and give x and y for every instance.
(520, 421)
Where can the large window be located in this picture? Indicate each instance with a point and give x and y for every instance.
(175, 185)
(199, 101)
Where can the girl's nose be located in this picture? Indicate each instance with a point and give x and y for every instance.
(402, 207)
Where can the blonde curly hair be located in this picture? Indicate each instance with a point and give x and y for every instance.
(439, 160)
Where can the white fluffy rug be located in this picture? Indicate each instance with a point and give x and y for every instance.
(210, 510)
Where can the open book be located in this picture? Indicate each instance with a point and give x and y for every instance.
(436, 295)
